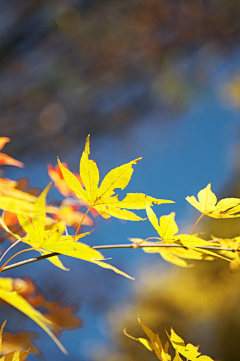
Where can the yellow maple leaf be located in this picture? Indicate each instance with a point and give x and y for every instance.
(189, 351)
(234, 245)
(207, 204)
(9, 188)
(14, 205)
(103, 197)
(15, 356)
(167, 228)
(12, 297)
(50, 238)
(153, 344)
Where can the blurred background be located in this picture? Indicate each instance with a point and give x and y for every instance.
(158, 79)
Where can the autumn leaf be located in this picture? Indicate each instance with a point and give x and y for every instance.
(15, 355)
(8, 188)
(14, 205)
(70, 215)
(153, 344)
(56, 175)
(234, 245)
(1, 331)
(173, 255)
(103, 197)
(50, 239)
(189, 351)
(59, 182)
(167, 228)
(6, 159)
(19, 340)
(61, 317)
(207, 204)
(12, 297)
(66, 213)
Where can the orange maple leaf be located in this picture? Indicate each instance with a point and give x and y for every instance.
(56, 175)
(6, 159)
(60, 316)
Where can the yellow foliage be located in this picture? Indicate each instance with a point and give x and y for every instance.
(189, 245)
(102, 198)
(154, 343)
(207, 204)
(15, 355)
(10, 296)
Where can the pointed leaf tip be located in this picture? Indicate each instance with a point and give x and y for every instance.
(87, 145)
(103, 197)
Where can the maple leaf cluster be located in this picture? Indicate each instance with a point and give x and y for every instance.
(154, 343)
(30, 220)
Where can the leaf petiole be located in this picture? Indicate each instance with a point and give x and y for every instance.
(10, 247)
(196, 223)
(137, 244)
(79, 226)
(24, 250)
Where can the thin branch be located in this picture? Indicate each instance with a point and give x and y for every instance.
(113, 246)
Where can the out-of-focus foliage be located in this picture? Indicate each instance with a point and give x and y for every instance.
(60, 317)
(4, 158)
(11, 296)
(74, 66)
(154, 343)
(15, 355)
(190, 301)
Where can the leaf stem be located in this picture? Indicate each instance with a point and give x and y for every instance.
(16, 254)
(138, 244)
(8, 249)
(79, 226)
(111, 246)
(198, 220)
